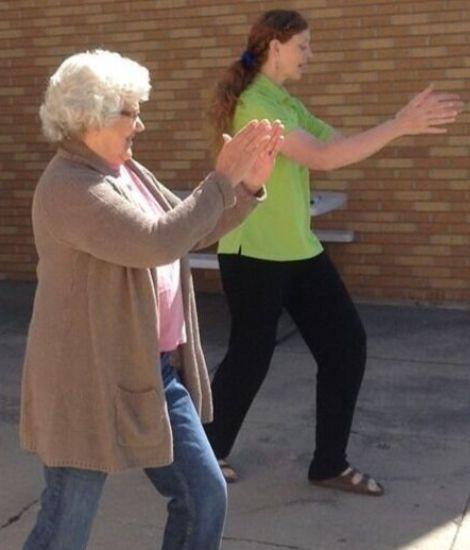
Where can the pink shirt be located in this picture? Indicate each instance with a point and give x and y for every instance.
(170, 301)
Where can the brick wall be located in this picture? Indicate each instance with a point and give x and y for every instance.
(409, 205)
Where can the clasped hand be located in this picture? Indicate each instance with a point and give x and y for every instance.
(249, 156)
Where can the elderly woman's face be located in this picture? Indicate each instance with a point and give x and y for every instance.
(114, 142)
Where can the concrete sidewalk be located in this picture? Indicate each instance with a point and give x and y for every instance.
(411, 431)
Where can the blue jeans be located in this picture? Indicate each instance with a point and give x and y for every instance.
(193, 483)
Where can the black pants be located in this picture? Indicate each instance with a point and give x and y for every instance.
(320, 306)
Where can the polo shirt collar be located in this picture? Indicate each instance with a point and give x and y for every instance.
(264, 83)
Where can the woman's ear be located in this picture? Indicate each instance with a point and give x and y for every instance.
(274, 46)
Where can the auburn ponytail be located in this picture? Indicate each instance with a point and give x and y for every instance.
(275, 24)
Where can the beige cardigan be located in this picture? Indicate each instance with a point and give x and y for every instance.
(92, 394)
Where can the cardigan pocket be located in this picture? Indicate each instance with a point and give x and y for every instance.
(138, 418)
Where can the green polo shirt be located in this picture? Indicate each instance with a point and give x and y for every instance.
(279, 228)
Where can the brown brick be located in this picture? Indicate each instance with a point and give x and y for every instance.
(409, 205)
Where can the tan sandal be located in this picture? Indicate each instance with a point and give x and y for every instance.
(352, 481)
(230, 475)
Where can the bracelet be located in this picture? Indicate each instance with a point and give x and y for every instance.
(258, 193)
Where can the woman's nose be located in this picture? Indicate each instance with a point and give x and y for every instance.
(139, 125)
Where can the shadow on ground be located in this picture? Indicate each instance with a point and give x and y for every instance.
(411, 430)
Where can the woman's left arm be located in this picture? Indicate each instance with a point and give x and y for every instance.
(335, 136)
(424, 114)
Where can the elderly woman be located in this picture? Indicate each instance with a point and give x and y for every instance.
(114, 374)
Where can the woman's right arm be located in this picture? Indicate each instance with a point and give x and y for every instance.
(91, 217)
(424, 114)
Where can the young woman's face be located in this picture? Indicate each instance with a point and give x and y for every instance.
(293, 56)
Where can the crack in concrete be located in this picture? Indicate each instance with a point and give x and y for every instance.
(265, 543)
(325, 501)
(466, 510)
(18, 516)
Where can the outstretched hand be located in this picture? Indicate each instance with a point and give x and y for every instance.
(428, 111)
(250, 155)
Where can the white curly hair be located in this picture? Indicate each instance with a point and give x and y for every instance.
(88, 90)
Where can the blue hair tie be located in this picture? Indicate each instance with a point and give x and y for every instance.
(247, 59)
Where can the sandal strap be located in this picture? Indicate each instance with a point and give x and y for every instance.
(230, 475)
(359, 479)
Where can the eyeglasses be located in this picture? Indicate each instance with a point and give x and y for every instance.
(134, 115)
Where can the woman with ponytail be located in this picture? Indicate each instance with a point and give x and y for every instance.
(273, 261)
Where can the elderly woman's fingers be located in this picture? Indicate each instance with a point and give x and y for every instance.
(259, 173)
(277, 145)
(273, 144)
(257, 141)
(248, 133)
(243, 135)
(278, 135)
(238, 155)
